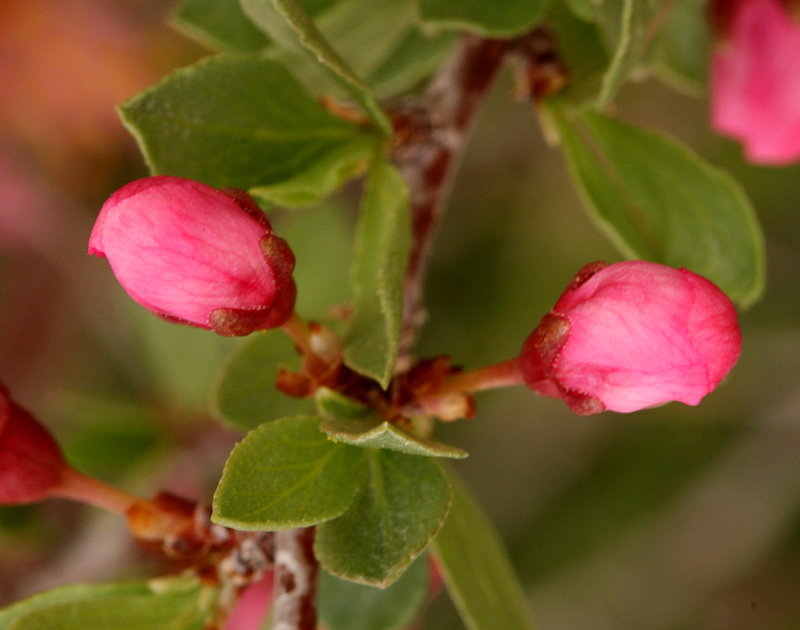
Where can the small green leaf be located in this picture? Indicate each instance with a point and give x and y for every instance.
(374, 433)
(586, 10)
(499, 18)
(219, 24)
(286, 474)
(71, 594)
(583, 52)
(477, 570)
(263, 13)
(680, 55)
(383, 242)
(222, 26)
(630, 27)
(414, 58)
(164, 604)
(659, 201)
(243, 121)
(379, 39)
(331, 404)
(245, 395)
(390, 523)
(345, 605)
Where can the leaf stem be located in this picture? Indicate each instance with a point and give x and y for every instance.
(296, 571)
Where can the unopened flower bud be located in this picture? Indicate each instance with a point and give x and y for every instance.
(196, 255)
(755, 77)
(31, 464)
(632, 335)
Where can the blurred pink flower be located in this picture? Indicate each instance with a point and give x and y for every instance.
(755, 79)
(196, 255)
(251, 609)
(632, 335)
(31, 464)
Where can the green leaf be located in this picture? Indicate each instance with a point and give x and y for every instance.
(383, 242)
(390, 523)
(477, 570)
(583, 52)
(659, 201)
(164, 604)
(586, 10)
(245, 395)
(499, 18)
(243, 121)
(680, 55)
(374, 433)
(287, 474)
(332, 404)
(220, 25)
(630, 27)
(416, 57)
(264, 13)
(379, 39)
(345, 605)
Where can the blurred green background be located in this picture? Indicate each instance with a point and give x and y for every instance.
(674, 518)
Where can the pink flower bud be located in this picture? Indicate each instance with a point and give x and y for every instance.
(755, 78)
(31, 464)
(196, 255)
(632, 335)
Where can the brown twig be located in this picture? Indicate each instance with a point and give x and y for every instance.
(295, 580)
(431, 134)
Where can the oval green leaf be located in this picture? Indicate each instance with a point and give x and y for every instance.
(220, 25)
(254, 125)
(245, 395)
(390, 523)
(267, 13)
(164, 604)
(332, 404)
(287, 474)
(476, 568)
(382, 246)
(345, 605)
(659, 201)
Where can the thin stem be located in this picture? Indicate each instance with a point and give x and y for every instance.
(436, 129)
(299, 331)
(78, 487)
(296, 571)
(505, 374)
